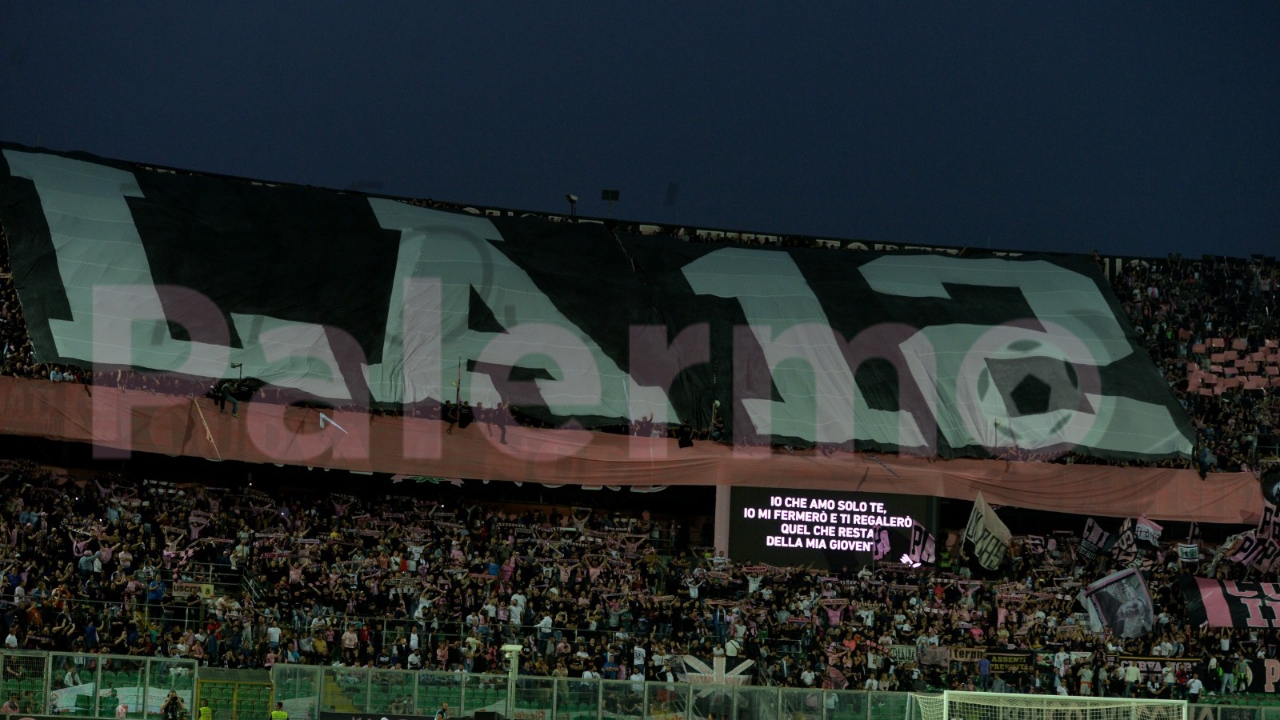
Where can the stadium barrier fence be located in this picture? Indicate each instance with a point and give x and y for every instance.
(310, 692)
(93, 685)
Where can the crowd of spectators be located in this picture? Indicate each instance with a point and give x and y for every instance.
(413, 582)
(1180, 308)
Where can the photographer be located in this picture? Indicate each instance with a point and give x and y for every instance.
(173, 709)
(225, 391)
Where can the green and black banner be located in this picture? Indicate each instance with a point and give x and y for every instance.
(358, 300)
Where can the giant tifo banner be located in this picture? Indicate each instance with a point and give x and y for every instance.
(371, 301)
(1227, 603)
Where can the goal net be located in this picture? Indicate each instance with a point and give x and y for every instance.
(953, 705)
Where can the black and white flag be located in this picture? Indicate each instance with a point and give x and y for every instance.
(1094, 540)
(988, 534)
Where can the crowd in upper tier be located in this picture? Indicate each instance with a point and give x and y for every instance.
(1209, 324)
(413, 581)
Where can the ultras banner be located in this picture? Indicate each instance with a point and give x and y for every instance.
(371, 301)
(988, 534)
(1227, 603)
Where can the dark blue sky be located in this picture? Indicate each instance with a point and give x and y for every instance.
(1132, 128)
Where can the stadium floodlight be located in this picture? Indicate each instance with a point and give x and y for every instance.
(573, 205)
(610, 197)
(960, 705)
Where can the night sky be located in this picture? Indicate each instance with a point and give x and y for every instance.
(1134, 128)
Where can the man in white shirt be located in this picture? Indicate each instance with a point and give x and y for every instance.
(1060, 661)
(868, 617)
(544, 634)
(693, 587)
(1194, 688)
(1132, 676)
(11, 640)
(1086, 681)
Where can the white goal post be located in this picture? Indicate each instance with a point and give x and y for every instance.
(956, 705)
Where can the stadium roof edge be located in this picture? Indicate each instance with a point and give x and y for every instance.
(495, 211)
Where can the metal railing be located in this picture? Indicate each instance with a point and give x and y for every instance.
(90, 685)
(174, 614)
(308, 691)
(94, 686)
(216, 574)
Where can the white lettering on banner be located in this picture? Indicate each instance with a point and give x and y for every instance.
(902, 653)
(1269, 525)
(1095, 538)
(94, 235)
(789, 324)
(1147, 531)
(86, 207)
(923, 545)
(990, 536)
(1261, 554)
(1086, 334)
(463, 251)
(1188, 553)
(1126, 546)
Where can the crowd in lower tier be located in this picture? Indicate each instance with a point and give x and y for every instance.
(415, 582)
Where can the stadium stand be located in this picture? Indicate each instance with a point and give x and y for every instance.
(116, 565)
(1211, 325)
(377, 602)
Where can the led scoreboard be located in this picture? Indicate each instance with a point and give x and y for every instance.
(830, 529)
